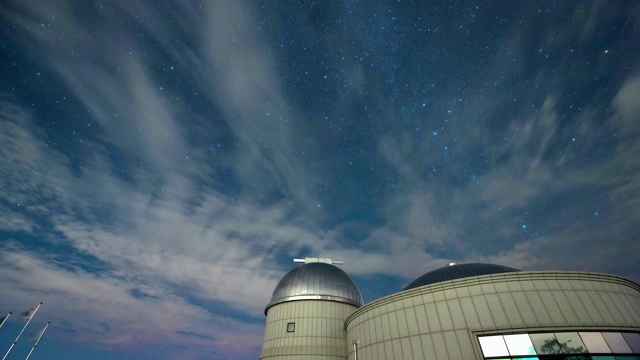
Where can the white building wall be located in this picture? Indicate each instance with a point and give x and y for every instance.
(319, 331)
(441, 321)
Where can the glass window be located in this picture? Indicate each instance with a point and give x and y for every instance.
(493, 346)
(519, 344)
(633, 339)
(570, 343)
(545, 343)
(595, 342)
(616, 343)
(562, 346)
(291, 327)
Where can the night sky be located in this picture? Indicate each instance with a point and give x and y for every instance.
(162, 163)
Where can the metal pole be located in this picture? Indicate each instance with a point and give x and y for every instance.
(5, 318)
(25, 326)
(36, 344)
(355, 349)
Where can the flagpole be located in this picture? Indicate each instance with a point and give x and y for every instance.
(25, 326)
(5, 318)
(36, 344)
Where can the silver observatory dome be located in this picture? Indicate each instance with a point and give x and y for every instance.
(317, 280)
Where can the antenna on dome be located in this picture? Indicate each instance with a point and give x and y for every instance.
(321, 260)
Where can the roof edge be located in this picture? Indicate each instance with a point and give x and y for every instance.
(312, 297)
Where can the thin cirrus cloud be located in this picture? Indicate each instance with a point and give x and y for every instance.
(153, 261)
(134, 233)
(153, 244)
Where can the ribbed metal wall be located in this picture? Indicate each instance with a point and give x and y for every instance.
(319, 331)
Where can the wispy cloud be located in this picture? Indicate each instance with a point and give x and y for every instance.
(137, 231)
(99, 310)
(164, 238)
(150, 250)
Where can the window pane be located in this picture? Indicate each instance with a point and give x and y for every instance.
(545, 343)
(291, 327)
(527, 358)
(493, 346)
(616, 343)
(603, 358)
(570, 343)
(519, 344)
(595, 342)
(633, 339)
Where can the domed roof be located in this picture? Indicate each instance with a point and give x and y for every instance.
(454, 271)
(316, 281)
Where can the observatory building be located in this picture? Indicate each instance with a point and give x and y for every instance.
(306, 315)
(458, 312)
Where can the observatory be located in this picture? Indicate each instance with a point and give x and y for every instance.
(460, 311)
(307, 311)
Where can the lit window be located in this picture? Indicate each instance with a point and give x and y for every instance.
(291, 327)
(562, 346)
(493, 346)
(519, 344)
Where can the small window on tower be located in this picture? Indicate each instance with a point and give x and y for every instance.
(291, 327)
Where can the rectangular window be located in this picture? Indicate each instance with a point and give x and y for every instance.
(493, 346)
(291, 327)
(616, 343)
(595, 342)
(519, 345)
(570, 343)
(545, 343)
(633, 340)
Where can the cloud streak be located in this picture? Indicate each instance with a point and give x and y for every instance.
(165, 204)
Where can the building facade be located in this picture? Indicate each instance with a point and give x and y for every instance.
(484, 311)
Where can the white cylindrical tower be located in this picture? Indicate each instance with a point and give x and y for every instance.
(307, 312)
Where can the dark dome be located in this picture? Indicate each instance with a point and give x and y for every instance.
(316, 281)
(455, 271)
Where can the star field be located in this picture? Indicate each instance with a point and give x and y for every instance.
(162, 163)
